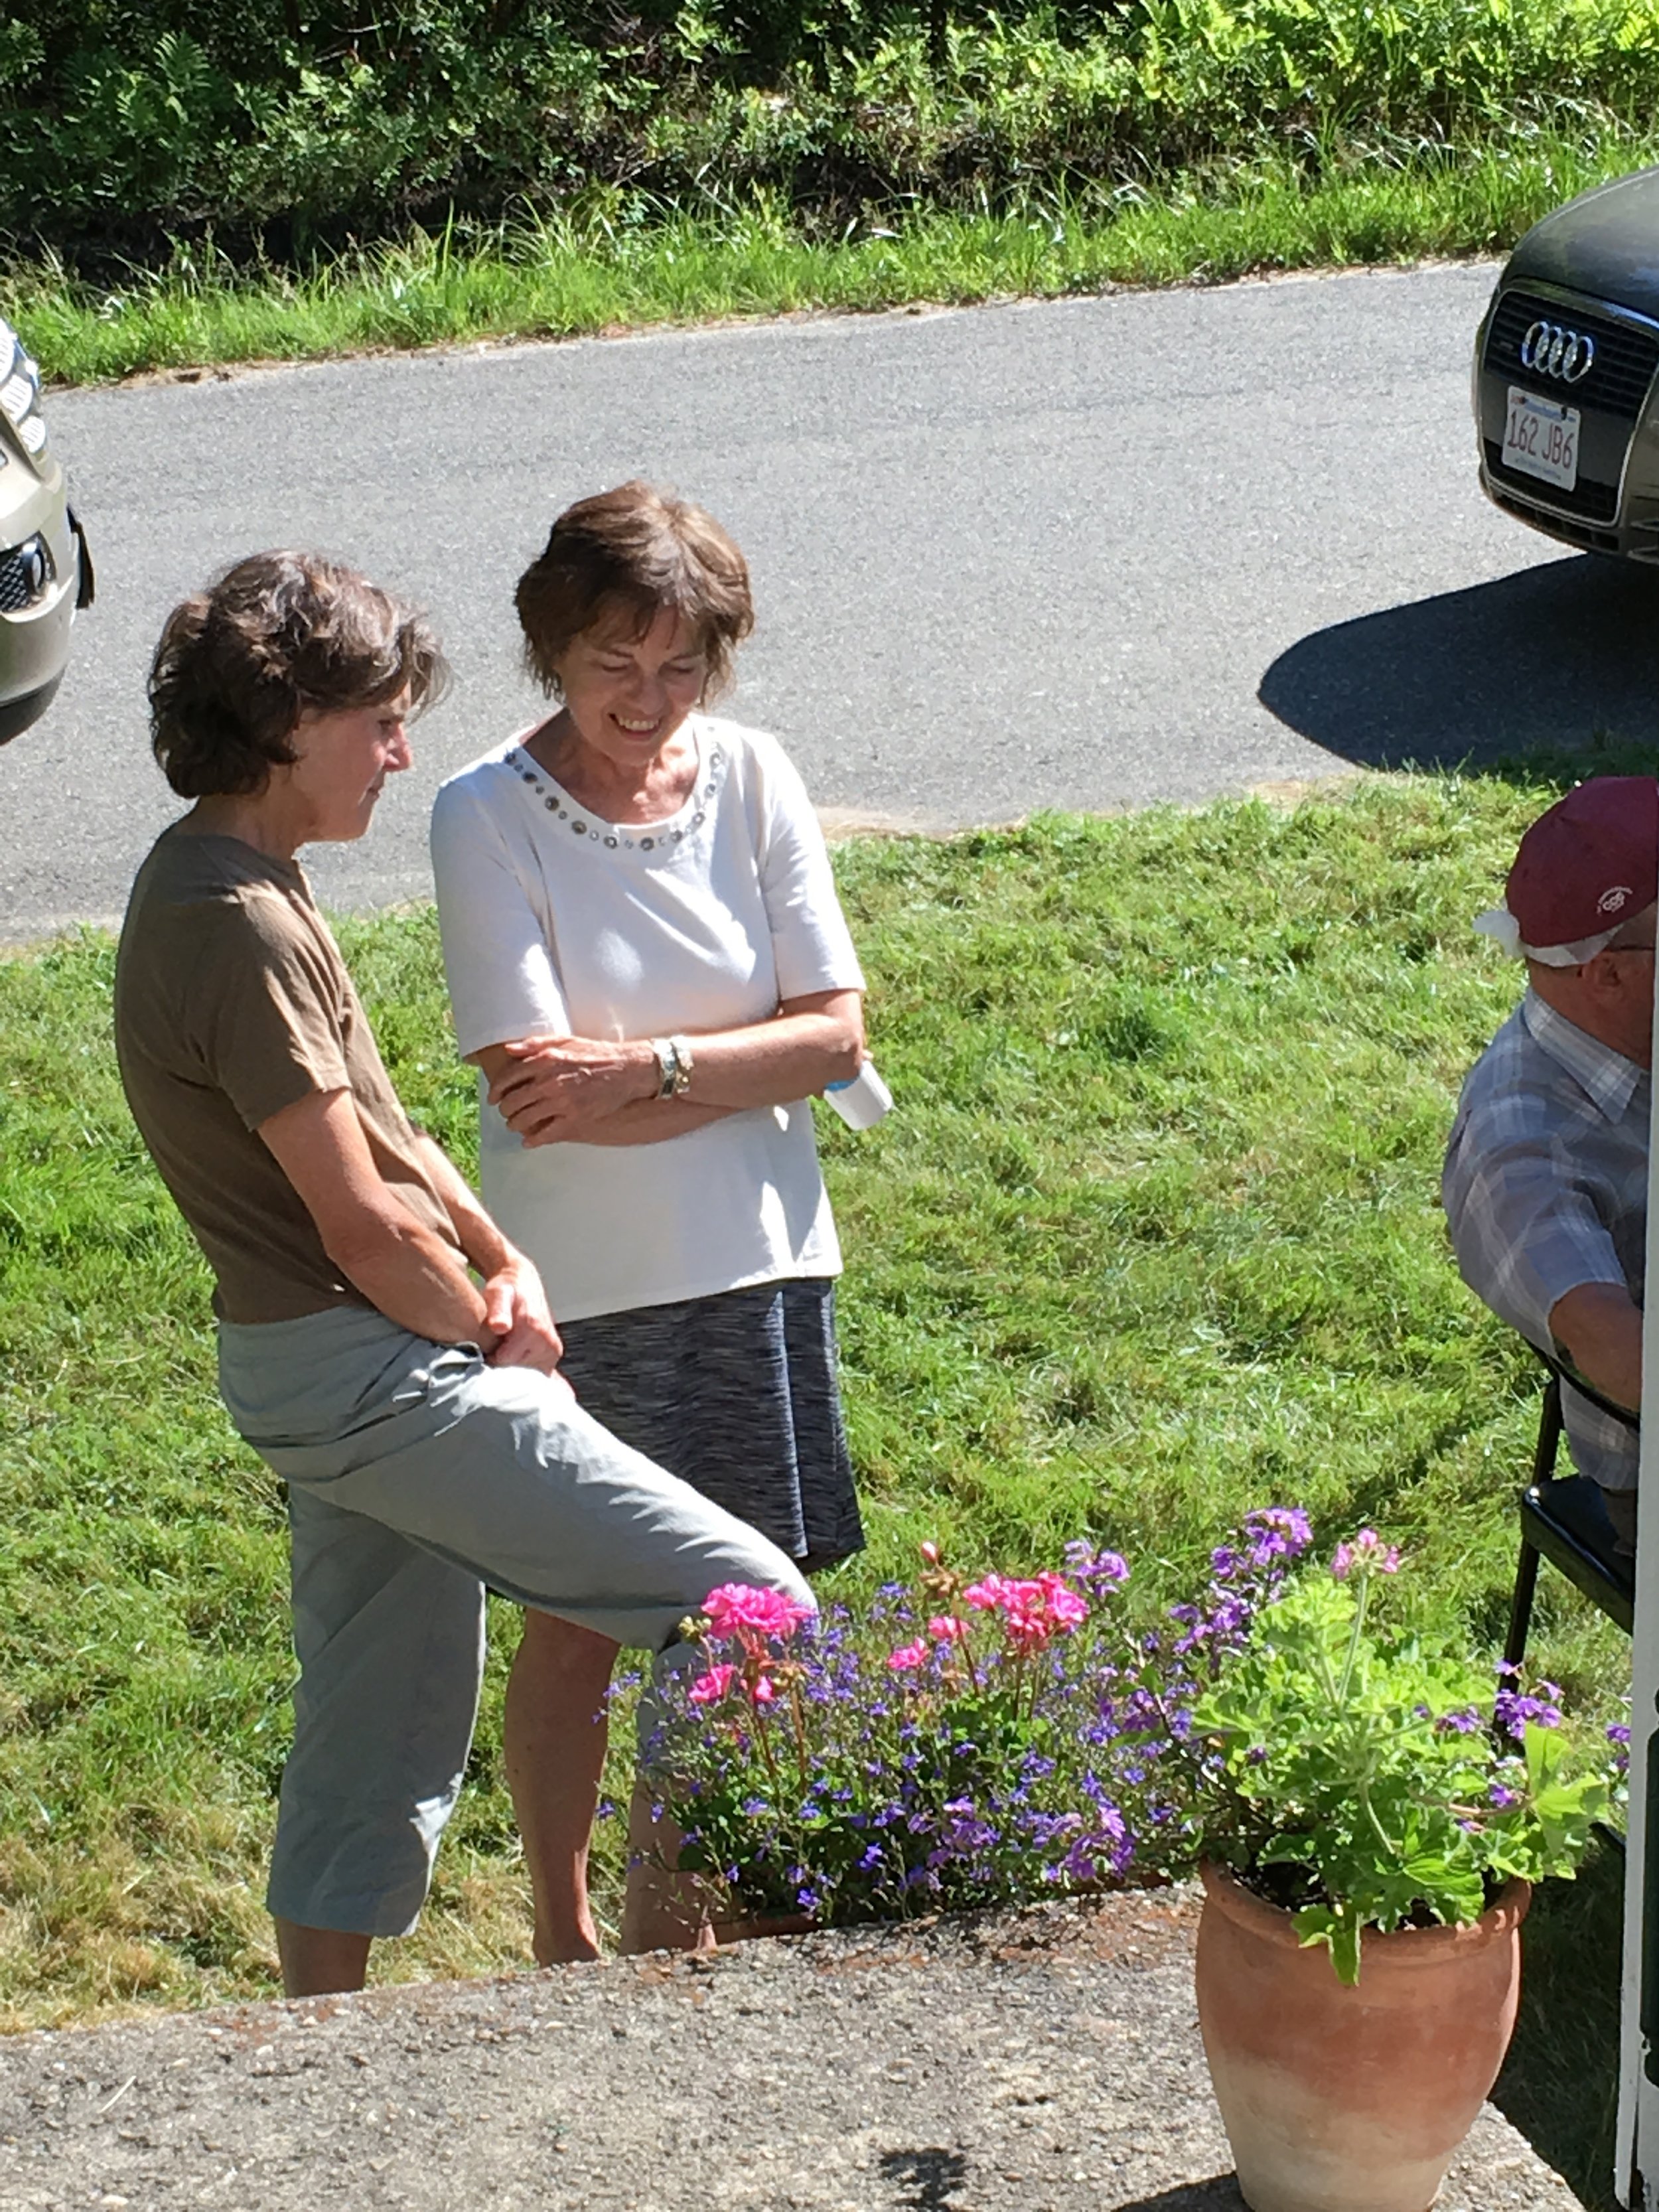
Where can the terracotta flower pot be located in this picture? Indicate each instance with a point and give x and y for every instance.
(1339, 2099)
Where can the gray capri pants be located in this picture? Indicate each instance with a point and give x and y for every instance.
(416, 1474)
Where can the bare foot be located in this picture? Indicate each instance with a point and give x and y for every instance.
(565, 1950)
(666, 1911)
(663, 1908)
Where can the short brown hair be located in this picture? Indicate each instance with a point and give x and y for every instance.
(631, 553)
(276, 634)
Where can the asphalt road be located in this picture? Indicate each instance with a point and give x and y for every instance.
(1084, 554)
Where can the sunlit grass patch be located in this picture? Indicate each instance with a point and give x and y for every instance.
(1152, 1237)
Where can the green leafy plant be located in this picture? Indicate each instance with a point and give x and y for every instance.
(1368, 1784)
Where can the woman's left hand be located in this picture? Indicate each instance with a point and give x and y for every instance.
(556, 1090)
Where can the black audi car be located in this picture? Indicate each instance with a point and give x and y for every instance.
(1565, 363)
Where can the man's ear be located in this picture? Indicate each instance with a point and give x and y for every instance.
(1604, 977)
(1600, 976)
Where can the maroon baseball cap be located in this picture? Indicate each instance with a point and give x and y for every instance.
(1589, 863)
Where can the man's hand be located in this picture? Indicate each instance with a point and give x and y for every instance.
(1599, 1326)
(554, 1090)
(515, 1310)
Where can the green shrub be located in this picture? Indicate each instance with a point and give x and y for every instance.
(289, 124)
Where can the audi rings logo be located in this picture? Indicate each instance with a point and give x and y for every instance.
(1550, 351)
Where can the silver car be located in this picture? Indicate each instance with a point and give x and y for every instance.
(45, 571)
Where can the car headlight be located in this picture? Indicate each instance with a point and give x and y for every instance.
(19, 392)
(27, 571)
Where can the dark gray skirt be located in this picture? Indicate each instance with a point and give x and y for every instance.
(737, 1394)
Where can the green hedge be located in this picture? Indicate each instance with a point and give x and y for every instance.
(286, 122)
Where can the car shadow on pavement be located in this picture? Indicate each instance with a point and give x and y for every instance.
(1562, 658)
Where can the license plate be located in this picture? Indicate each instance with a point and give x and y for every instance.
(1541, 439)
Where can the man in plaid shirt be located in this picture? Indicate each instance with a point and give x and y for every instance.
(1547, 1173)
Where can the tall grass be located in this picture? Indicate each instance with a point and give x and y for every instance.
(1152, 1238)
(570, 274)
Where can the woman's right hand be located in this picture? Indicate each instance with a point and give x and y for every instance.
(517, 1315)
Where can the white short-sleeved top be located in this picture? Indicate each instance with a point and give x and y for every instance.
(557, 924)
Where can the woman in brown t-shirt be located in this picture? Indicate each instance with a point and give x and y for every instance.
(382, 1345)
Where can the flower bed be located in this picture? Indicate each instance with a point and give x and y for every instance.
(967, 1743)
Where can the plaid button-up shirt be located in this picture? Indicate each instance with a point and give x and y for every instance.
(1546, 1188)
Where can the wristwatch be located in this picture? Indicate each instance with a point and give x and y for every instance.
(674, 1065)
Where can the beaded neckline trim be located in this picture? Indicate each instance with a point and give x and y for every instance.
(651, 837)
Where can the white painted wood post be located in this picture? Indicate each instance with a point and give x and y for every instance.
(1635, 2160)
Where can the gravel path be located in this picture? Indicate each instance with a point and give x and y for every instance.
(1047, 2060)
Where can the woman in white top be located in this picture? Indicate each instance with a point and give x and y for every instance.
(647, 961)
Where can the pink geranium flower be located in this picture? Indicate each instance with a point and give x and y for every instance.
(712, 1685)
(1032, 1610)
(945, 1628)
(1024, 1621)
(1367, 1550)
(986, 1596)
(906, 1657)
(735, 1606)
(1067, 1608)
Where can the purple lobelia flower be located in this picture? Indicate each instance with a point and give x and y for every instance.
(975, 1740)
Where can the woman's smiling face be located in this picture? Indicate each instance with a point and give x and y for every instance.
(628, 696)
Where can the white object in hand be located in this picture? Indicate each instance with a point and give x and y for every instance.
(862, 1100)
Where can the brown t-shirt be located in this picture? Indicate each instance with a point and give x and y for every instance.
(232, 1002)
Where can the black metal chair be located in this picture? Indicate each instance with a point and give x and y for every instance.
(1564, 1520)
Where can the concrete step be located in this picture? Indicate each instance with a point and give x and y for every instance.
(1043, 2061)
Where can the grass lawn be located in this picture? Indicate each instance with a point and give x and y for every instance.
(569, 276)
(1153, 1237)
